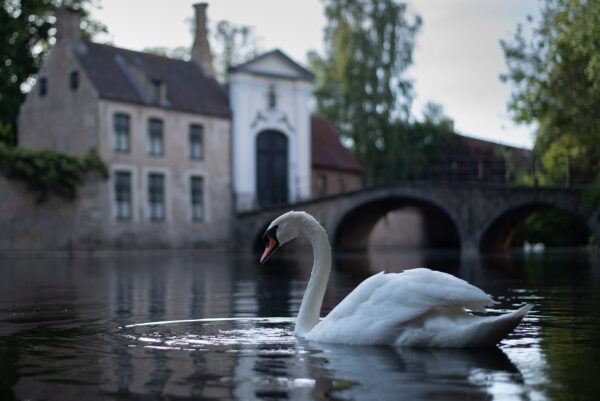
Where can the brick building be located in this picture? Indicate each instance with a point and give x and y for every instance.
(184, 152)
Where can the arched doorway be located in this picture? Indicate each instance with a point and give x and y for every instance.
(271, 168)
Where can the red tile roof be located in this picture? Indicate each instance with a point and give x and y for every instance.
(327, 150)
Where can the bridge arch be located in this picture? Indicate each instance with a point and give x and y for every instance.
(497, 233)
(351, 227)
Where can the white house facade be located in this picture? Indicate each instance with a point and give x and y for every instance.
(271, 152)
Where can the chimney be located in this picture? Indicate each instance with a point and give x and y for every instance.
(67, 25)
(201, 48)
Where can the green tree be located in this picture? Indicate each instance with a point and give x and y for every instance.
(359, 83)
(434, 115)
(178, 53)
(422, 145)
(235, 44)
(554, 75)
(26, 32)
(231, 45)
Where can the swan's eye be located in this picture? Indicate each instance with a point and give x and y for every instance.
(271, 232)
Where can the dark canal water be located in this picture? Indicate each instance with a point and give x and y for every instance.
(78, 329)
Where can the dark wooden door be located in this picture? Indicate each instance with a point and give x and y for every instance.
(271, 168)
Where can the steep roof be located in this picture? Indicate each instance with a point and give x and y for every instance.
(327, 150)
(113, 72)
(274, 64)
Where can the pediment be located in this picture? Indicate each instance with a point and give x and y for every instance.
(275, 64)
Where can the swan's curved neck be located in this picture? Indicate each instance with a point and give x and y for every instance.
(310, 308)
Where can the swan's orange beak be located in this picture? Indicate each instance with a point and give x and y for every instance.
(269, 249)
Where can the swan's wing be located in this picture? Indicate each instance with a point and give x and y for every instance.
(375, 310)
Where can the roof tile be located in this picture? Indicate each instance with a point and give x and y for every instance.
(188, 88)
(327, 150)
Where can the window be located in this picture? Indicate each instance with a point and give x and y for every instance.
(197, 197)
(156, 196)
(155, 137)
(123, 195)
(121, 133)
(196, 142)
(272, 97)
(43, 88)
(321, 185)
(74, 80)
(155, 92)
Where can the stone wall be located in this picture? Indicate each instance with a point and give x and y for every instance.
(399, 229)
(55, 224)
(64, 119)
(327, 182)
(75, 120)
(82, 224)
(177, 230)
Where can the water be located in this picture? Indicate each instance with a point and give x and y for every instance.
(220, 327)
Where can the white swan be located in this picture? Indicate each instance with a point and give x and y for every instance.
(418, 307)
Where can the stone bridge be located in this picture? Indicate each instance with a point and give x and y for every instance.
(474, 217)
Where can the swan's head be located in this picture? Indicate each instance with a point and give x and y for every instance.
(284, 229)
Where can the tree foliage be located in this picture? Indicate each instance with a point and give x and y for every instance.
(552, 227)
(178, 53)
(554, 72)
(359, 83)
(420, 145)
(231, 44)
(26, 32)
(46, 171)
(235, 44)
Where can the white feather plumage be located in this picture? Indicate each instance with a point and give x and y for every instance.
(418, 307)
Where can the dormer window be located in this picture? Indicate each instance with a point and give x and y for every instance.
(74, 80)
(43, 86)
(155, 91)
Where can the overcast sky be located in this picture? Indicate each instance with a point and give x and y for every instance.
(457, 59)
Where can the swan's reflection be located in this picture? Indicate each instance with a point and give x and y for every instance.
(386, 373)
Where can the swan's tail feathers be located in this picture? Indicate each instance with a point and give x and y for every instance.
(523, 310)
(458, 329)
(494, 329)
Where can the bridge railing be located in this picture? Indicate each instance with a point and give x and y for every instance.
(478, 169)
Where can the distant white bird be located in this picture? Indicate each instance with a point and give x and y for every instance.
(537, 247)
(418, 307)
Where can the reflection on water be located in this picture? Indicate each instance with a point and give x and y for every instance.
(270, 361)
(152, 325)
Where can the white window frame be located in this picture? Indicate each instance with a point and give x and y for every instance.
(156, 139)
(156, 208)
(198, 209)
(121, 145)
(113, 196)
(206, 198)
(123, 208)
(166, 193)
(196, 147)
